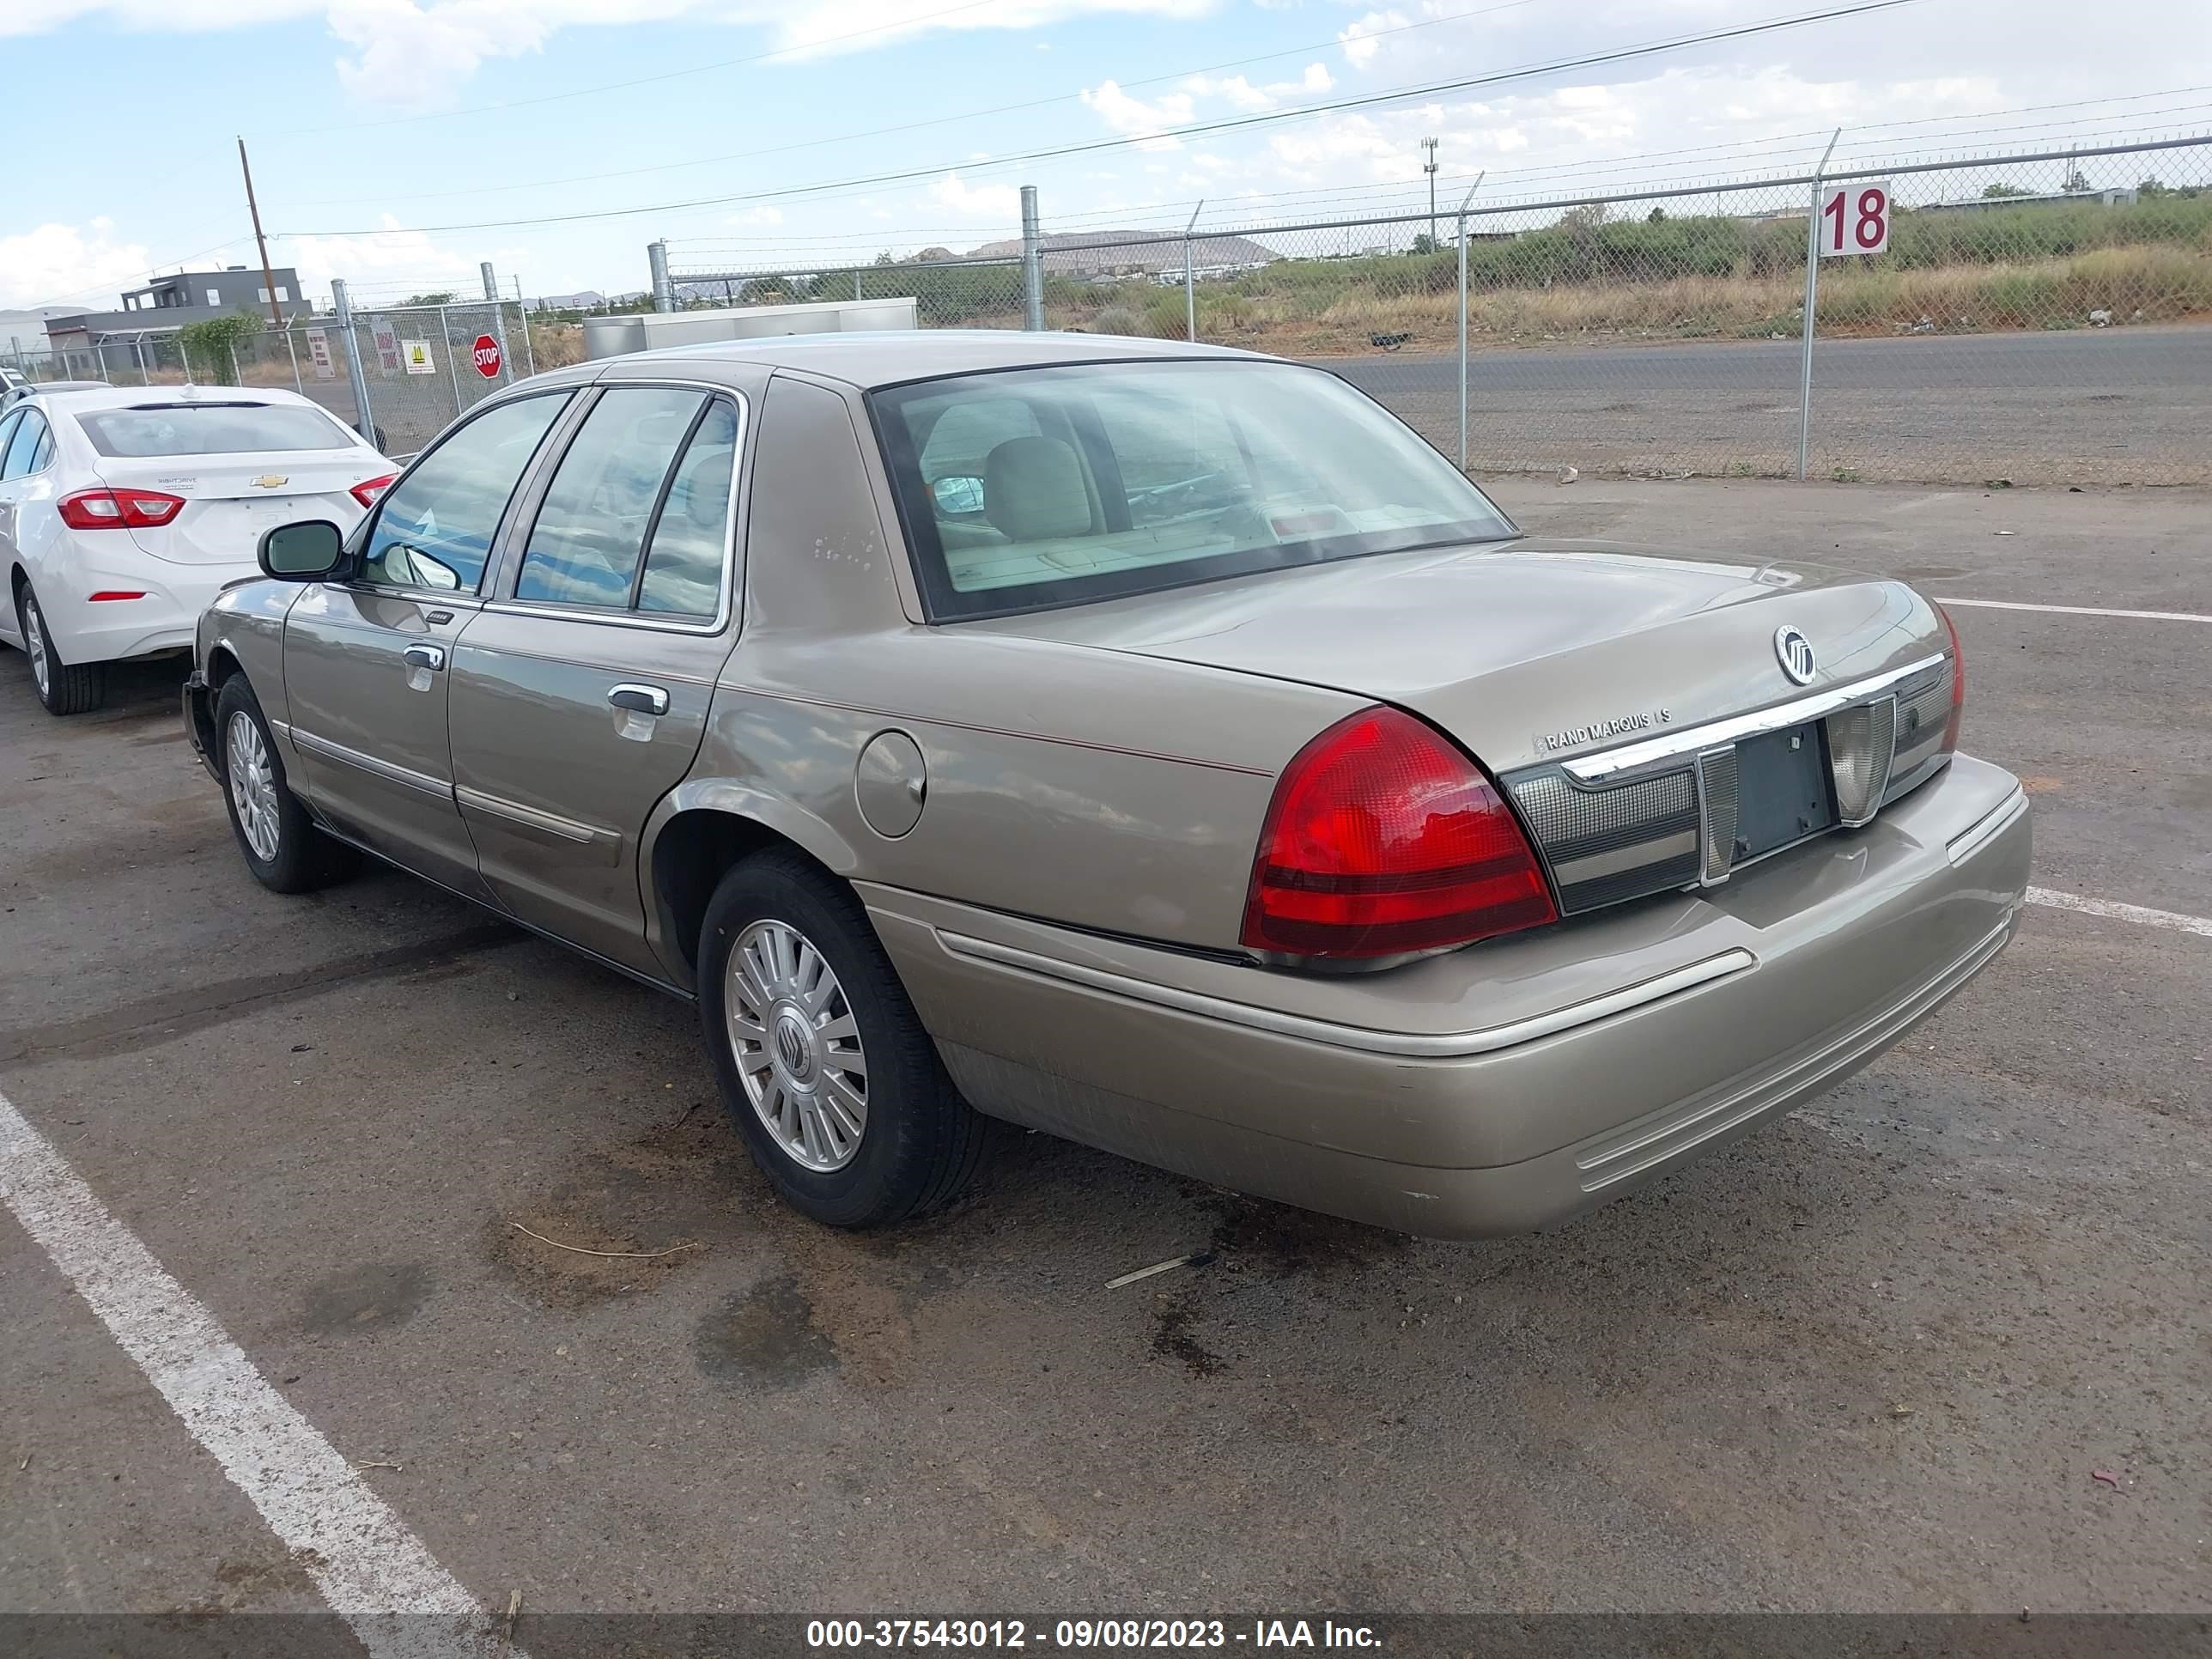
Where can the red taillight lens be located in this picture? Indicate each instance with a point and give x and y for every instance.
(1383, 840)
(119, 509)
(1957, 684)
(368, 491)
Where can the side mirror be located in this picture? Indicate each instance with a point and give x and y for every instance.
(957, 495)
(308, 552)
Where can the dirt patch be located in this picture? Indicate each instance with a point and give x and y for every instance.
(1173, 1340)
(373, 1297)
(1276, 1242)
(764, 1338)
(241, 1583)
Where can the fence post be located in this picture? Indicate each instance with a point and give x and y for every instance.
(1812, 300)
(1189, 279)
(364, 422)
(1471, 189)
(664, 295)
(452, 363)
(498, 317)
(856, 284)
(292, 350)
(1033, 263)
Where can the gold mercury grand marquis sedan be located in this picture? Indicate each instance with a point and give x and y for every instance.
(1159, 746)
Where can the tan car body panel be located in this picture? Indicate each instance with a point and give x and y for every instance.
(1065, 908)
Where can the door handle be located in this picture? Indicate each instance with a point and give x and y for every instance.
(639, 699)
(432, 657)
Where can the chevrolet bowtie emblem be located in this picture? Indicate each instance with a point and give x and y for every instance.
(270, 481)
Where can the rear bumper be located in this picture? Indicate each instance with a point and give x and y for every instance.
(88, 630)
(1502, 1088)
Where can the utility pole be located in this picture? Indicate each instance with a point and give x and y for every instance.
(268, 276)
(1430, 145)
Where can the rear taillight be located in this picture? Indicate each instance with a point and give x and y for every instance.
(119, 509)
(1383, 840)
(368, 491)
(1957, 684)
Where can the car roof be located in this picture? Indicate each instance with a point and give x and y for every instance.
(877, 357)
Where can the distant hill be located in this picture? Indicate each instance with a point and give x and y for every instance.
(1109, 252)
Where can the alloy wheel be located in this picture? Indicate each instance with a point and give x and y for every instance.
(798, 1046)
(252, 786)
(35, 646)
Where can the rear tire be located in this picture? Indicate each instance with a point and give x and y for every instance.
(279, 842)
(813, 1038)
(62, 688)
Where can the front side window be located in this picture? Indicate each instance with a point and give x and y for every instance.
(1035, 488)
(240, 429)
(436, 527)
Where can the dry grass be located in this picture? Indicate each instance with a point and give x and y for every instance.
(2159, 283)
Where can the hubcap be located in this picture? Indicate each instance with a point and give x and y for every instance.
(253, 786)
(798, 1046)
(35, 638)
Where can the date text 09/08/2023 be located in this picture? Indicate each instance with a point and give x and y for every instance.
(1119, 1634)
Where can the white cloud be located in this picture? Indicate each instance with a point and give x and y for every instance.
(765, 213)
(994, 203)
(69, 265)
(383, 260)
(1135, 117)
(1240, 94)
(1359, 49)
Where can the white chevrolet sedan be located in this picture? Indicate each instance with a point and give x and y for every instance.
(124, 511)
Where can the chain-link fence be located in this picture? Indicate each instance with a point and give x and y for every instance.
(2042, 318)
(418, 367)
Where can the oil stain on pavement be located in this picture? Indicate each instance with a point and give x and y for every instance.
(373, 1297)
(764, 1337)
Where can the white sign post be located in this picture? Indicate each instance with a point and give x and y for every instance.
(1854, 218)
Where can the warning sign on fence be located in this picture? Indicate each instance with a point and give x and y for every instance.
(387, 347)
(319, 350)
(416, 355)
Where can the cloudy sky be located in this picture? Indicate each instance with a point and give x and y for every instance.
(372, 124)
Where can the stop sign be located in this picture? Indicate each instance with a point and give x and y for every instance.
(487, 356)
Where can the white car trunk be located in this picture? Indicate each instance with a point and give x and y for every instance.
(229, 499)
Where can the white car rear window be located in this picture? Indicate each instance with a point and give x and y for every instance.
(153, 429)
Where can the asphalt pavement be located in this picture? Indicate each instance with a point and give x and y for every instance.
(1937, 1341)
(2128, 404)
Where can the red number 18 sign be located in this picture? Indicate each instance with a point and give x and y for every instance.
(1855, 218)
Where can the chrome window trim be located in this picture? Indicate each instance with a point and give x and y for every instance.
(1451, 1045)
(391, 771)
(1677, 748)
(505, 604)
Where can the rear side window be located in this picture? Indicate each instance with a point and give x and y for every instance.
(22, 452)
(436, 527)
(211, 429)
(637, 515)
(8, 428)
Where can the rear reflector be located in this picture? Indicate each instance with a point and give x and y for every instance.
(1383, 840)
(119, 509)
(111, 593)
(1958, 685)
(369, 490)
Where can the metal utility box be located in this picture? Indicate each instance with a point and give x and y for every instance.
(613, 337)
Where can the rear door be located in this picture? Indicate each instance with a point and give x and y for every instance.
(581, 694)
(367, 663)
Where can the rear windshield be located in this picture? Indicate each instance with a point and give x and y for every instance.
(211, 429)
(1045, 486)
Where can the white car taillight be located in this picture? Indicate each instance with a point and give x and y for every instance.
(119, 509)
(369, 491)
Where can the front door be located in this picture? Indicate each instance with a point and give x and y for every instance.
(580, 695)
(367, 663)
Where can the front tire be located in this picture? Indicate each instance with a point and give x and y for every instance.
(280, 842)
(62, 688)
(826, 1070)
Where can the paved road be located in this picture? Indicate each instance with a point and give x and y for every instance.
(2123, 405)
(1868, 1359)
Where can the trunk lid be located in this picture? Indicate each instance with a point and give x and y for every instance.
(229, 499)
(1533, 652)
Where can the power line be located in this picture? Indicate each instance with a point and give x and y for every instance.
(907, 126)
(1302, 112)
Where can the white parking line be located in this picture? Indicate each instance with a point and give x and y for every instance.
(2074, 610)
(2115, 911)
(372, 1569)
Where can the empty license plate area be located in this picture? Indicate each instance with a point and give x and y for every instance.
(1782, 790)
